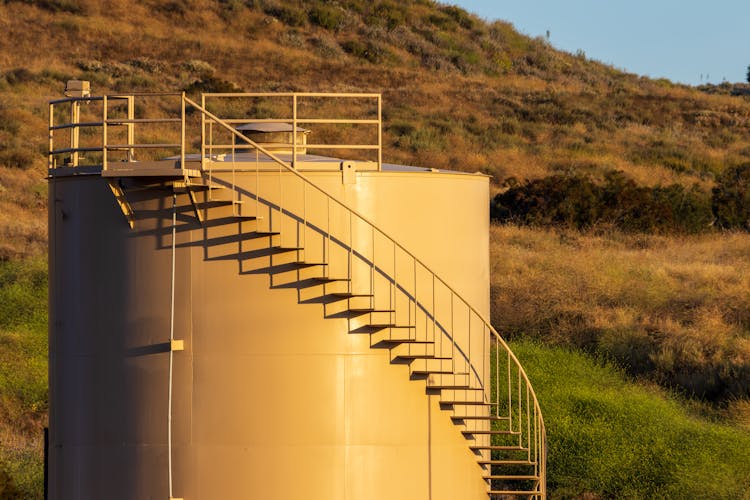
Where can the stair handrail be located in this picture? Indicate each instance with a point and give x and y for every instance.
(497, 337)
(364, 219)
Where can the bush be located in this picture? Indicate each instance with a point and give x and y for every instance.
(575, 201)
(388, 14)
(459, 15)
(210, 84)
(290, 16)
(71, 6)
(369, 51)
(731, 198)
(326, 17)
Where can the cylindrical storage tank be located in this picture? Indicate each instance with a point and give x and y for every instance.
(278, 392)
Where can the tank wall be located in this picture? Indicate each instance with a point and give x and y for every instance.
(270, 396)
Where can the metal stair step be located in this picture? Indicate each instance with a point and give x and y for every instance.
(449, 387)
(328, 279)
(491, 418)
(498, 448)
(511, 478)
(365, 310)
(467, 403)
(490, 433)
(435, 371)
(390, 334)
(506, 462)
(421, 356)
(514, 492)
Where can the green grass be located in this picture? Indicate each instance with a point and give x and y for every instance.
(613, 438)
(23, 375)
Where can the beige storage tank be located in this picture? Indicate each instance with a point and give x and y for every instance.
(225, 327)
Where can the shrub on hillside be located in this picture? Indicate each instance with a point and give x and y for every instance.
(388, 14)
(576, 201)
(211, 84)
(369, 51)
(326, 17)
(72, 6)
(731, 198)
(459, 15)
(289, 15)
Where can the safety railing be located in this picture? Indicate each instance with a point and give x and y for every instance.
(296, 109)
(111, 128)
(99, 127)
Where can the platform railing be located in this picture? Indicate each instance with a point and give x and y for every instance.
(100, 123)
(288, 108)
(92, 118)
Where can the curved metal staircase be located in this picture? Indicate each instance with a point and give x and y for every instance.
(307, 239)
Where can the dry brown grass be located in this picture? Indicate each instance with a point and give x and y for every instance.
(673, 309)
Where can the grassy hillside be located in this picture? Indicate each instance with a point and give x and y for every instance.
(459, 93)
(23, 376)
(673, 310)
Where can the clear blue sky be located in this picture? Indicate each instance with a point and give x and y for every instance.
(676, 39)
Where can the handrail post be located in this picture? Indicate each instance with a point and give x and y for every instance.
(75, 108)
(294, 130)
(131, 127)
(182, 132)
(50, 157)
(104, 133)
(203, 131)
(380, 132)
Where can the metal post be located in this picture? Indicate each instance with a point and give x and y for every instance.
(75, 107)
(380, 132)
(294, 130)
(182, 133)
(50, 157)
(104, 133)
(131, 128)
(203, 131)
